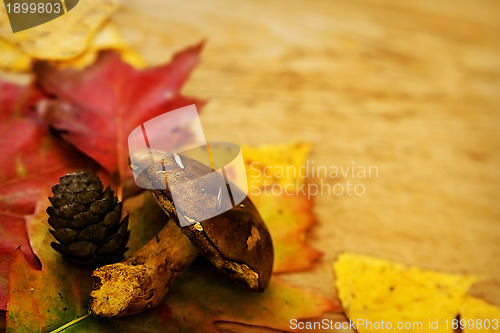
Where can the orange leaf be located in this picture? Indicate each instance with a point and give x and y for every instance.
(275, 174)
(288, 218)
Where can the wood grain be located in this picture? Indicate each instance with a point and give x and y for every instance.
(412, 88)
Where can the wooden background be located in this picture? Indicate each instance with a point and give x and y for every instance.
(412, 87)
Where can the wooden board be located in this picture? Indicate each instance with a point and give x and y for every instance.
(412, 88)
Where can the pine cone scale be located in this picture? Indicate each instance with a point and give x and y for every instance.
(65, 235)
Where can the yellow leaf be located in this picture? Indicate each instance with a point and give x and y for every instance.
(13, 59)
(65, 37)
(387, 295)
(107, 38)
(87, 31)
(281, 164)
(287, 214)
(479, 316)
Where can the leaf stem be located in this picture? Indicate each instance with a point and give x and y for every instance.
(119, 192)
(74, 321)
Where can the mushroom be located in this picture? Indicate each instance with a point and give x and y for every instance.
(236, 241)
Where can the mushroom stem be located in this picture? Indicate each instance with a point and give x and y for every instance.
(142, 280)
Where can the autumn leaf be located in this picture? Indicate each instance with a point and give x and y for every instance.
(146, 219)
(14, 233)
(97, 108)
(106, 38)
(33, 292)
(63, 38)
(288, 216)
(53, 296)
(280, 165)
(376, 290)
(29, 154)
(73, 40)
(477, 316)
(31, 160)
(12, 58)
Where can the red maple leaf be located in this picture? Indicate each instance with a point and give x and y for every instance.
(31, 161)
(96, 109)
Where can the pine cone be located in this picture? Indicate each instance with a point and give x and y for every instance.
(86, 221)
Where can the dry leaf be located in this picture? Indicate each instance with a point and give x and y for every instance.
(376, 290)
(479, 316)
(65, 37)
(106, 38)
(276, 164)
(72, 40)
(13, 59)
(288, 217)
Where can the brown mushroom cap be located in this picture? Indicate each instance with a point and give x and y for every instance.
(236, 241)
